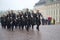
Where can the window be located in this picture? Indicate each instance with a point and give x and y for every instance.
(51, 0)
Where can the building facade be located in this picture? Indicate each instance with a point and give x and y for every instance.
(49, 8)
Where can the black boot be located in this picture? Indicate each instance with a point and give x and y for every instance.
(37, 28)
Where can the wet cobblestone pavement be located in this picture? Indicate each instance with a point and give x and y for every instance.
(51, 32)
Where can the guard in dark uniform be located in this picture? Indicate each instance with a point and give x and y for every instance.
(33, 20)
(20, 20)
(16, 23)
(8, 20)
(38, 21)
(24, 19)
(17, 20)
(5, 22)
(28, 20)
(8, 23)
(2, 19)
(22, 23)
(13, 15)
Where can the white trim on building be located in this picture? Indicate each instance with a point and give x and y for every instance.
(50, 10)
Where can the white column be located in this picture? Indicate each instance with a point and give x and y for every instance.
(55, 12)
(59, 13)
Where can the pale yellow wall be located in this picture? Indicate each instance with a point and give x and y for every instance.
(52, 10)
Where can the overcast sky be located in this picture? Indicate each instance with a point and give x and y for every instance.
(17, 4)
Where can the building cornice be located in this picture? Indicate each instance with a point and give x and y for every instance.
(46, 3)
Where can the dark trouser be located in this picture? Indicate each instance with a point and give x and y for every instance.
(15, 26)
(49, 22)
(5, 25)
(2, 25)
(38, 23)
(37, 27)
(42, 22)
(22, 27)
(19, 26)
(12, 26)
(8, 26)
(32, 26)
(28, 26)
